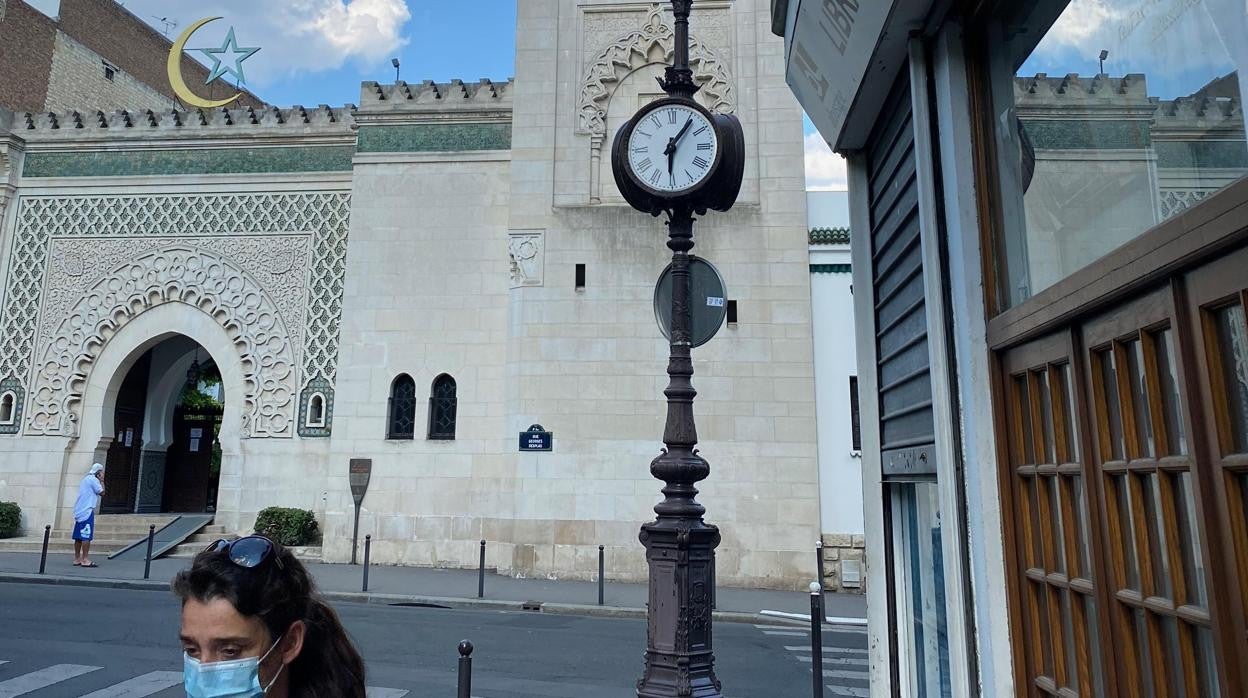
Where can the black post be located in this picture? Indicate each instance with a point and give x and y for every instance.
(43, 558)
(819, 561)
(355, 533)
(602, 566)
(465, 669)
(816, 637)
(368, 546)
(480, 580)
(151, 538)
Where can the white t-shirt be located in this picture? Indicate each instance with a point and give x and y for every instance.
(88, 497)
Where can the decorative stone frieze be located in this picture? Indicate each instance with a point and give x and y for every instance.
(527, 257)
(206, 281)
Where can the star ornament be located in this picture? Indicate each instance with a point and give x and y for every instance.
(228, 59)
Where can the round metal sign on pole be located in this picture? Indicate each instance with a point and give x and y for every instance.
(707, 298)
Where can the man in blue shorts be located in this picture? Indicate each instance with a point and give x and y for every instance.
(84, 514)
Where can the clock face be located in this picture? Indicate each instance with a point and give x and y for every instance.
(672, 148)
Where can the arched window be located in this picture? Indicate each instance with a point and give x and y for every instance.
(8, 406)
(316, 411)
(442, 408)
(402, 421)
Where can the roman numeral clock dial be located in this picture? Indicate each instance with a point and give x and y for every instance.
(674, 154)
(671, 148)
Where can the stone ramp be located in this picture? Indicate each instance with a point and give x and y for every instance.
(167, 537)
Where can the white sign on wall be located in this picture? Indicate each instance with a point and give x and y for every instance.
(829, 46)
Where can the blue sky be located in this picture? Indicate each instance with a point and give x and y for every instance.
(318, 51)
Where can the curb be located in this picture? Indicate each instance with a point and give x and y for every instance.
(551, 608)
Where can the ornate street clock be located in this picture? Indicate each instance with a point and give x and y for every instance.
(675, 157)
(675, 154)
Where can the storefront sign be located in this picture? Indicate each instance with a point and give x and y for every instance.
(829, 44)
(361, 470)
(536, 439)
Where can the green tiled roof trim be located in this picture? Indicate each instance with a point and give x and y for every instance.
(432, 138)
(829, 236)
(1202, 154)
(125, 163)
(1063, 134)
(830, 269)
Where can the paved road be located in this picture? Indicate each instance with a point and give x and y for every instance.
(60, 642)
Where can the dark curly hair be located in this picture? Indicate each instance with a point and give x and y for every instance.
(328, 665)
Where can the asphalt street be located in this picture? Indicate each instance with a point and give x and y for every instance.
(59, 642)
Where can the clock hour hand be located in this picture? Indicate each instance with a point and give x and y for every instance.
(670, 152)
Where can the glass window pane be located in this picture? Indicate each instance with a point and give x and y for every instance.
(1058, 526)
(1206, 663)
(1067, 395)
(1144, 653)
(1126, 520)
(1139, 399)
(1189, 541)
(1108, 122)
(1174, 656)
(1094, 644)
(1233, 350)
(1046, 416)
(1109, 378)
(1170, 405)
(1073, 660)
(1083, 541)
(1026, 440)
(1151, 489)
(921, 588)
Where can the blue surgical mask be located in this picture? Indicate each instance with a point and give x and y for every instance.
(237, 678)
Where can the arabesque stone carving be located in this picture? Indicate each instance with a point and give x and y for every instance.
(178, 274)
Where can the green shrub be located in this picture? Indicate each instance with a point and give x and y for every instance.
(288, 526)
(10, 519)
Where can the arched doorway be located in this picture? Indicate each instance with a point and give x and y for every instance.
(165, 452)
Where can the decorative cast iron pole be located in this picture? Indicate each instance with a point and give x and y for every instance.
(680, 660)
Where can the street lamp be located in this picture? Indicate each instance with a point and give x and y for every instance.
(675, 157)
(395, 62)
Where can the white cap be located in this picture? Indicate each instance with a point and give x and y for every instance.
(95, 468)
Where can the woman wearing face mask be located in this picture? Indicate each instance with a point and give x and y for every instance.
(253, 625)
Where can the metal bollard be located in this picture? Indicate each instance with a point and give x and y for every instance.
(816, 637)
(465, 670)
(368, 545)
(480, 580)
(602, 566)
(43, 558)
(151, 538)
(819, 561)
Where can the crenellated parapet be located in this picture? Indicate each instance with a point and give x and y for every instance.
(1074, 96)
(435, 101)
(237, 122)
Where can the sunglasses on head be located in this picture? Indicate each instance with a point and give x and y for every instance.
(248, 552)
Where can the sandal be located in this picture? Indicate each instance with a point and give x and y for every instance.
(90, 564)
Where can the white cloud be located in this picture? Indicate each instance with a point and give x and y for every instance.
(295, 36)
(1082, 20)
(825, 170)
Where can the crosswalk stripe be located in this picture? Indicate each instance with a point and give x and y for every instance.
(4, 661)
(140, 686)
(783, 633)
(849, 691)
(375, 692)
(848, 661)
(826, 650)
(846, 674)
(43, 678)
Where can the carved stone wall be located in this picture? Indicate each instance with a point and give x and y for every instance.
(207, 281)
(69, 251)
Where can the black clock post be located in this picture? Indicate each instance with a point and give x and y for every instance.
(680, 660)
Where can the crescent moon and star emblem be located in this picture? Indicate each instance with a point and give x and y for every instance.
(226, 59)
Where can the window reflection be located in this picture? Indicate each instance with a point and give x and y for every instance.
(1111, 119)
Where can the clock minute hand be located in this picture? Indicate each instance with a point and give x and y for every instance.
(681, 135)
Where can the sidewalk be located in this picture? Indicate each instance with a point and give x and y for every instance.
(446, 587)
